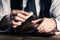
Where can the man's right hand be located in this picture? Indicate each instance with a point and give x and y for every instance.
(18, 17)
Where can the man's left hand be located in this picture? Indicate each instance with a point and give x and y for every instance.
(47, 25)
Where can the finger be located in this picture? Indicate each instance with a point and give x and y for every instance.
(14, 11)
(19, 19)
(41, 31)
(21, 15)
(36, 21)
(27, 14)
(14, 26)
(31, 13)
(21, 11)
(16, 23)
(12, 16)
(40, 28)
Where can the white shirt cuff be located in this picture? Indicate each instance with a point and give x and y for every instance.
(58, 24)
(58, 27)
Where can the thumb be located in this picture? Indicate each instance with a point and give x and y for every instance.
(37, 21)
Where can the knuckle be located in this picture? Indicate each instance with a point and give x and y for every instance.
(13, 11)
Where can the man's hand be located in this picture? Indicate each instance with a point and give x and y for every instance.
(47, 25)
(18, 17)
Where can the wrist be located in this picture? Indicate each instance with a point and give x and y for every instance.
(55, 23)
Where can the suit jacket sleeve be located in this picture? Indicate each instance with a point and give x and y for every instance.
(4, 10)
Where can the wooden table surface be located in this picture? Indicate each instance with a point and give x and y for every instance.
(9, 37)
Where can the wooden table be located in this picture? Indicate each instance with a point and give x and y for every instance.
(9, 37)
